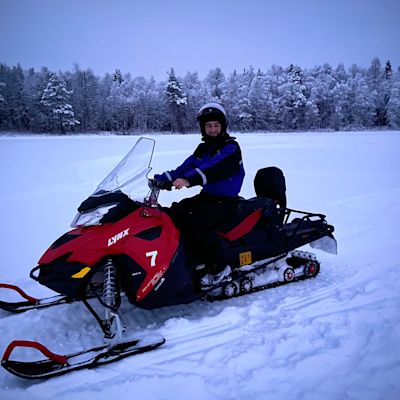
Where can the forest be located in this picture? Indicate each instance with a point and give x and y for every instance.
(279, 99)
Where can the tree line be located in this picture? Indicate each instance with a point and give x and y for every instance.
(292, 98)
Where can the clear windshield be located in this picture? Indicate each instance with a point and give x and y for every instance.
(130, 175)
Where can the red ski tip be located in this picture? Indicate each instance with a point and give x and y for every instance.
(60, 359)
(31, 299)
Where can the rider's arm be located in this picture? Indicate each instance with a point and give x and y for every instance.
(179, 172)
(223, 165)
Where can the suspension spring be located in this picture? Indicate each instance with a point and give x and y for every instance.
(110, 287)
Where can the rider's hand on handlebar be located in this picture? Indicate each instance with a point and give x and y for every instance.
(180, 183)
(160, 185)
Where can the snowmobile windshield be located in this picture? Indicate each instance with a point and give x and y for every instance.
(130, 175)
(127, 180)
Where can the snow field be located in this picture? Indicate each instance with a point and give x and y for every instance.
(332, 337)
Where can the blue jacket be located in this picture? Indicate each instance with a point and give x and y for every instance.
(216, 165)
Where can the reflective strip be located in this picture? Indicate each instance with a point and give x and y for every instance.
(168, 176)
(200, 172)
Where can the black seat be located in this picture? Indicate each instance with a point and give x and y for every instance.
(270, 183)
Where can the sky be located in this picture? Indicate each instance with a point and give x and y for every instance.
(147, 38)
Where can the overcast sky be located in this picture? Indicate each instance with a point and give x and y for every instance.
(148, 37)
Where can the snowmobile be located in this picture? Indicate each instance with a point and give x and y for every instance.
(124, 244)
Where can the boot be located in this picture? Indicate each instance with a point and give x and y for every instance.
(214, 278)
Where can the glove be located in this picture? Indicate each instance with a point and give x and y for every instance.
(160, 182)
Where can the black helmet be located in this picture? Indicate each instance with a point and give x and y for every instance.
(212, 112)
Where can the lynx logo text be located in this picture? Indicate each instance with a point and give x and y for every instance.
(117, 237)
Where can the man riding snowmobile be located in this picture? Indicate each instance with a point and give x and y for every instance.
(217, 166)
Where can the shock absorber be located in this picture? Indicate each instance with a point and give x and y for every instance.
(110, 286)
(113, 326)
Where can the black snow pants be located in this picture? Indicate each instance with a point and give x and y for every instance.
(198, 218)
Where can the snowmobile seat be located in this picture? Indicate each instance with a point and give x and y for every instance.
(250, 213)
(268, 208)
(270, 183)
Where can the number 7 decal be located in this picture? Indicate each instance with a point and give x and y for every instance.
(153, 254)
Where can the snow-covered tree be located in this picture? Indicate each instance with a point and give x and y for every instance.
(196, 96)
(393, 107)
(117, 77)
(230, 99)
(214, 82)
(121, 101)
(177, 100)
(321, 83)
(242, 116)
(377, 82)
(293, 98)
(2, 84)
(84, 97)
(387, 73)
(340, 74)
(56, 98)
(363, 105)
(261, 103)
(340, 96)
(3, 110)
(312, 118)
(13, 104)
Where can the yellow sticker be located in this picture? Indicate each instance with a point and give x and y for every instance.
(81, 273)
(245, 258)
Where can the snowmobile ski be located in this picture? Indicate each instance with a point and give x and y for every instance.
(57, 364)
(32, 303)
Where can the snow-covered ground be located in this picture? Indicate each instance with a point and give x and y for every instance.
(335, 337)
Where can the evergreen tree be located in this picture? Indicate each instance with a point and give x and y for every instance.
(375, 81)
(388, 70)
(117, 77)
(294, 99)
(177, 101)
(214, 84)
(56, 99)
(13, 106)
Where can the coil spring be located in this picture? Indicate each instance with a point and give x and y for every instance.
(110, 284)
